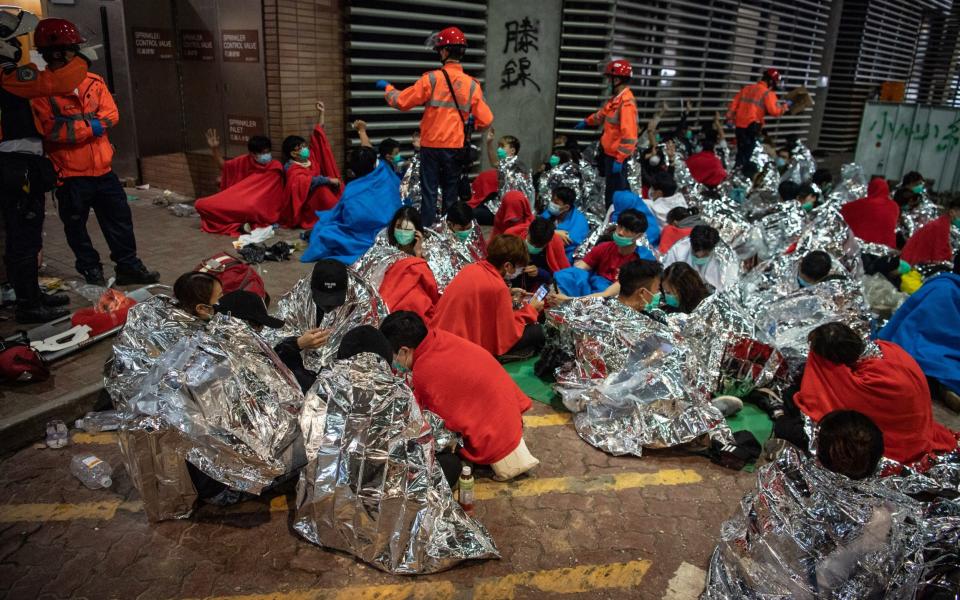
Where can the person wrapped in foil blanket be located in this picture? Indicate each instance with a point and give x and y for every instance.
(802, 164)
(372, 486)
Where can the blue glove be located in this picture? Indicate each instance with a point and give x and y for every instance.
(581, 125)
(382, 84)
(97, 127)
(470, 121)
(789, 103)
(617, 167)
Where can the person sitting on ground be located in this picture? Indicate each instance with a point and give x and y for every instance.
(874, 218)
(886, 385)
(598, 270)
(640, 285)
(850, 443)
(485, 187)
(507, 146)
(512, 173)
(478, 305)
(815, 267)
(571, 224)
(514, 210)
(251, 189)
(676, 228)
(409, 283)
(313, 178)
(932, 242)
(698, 251)
(823, 179)
(664, 196)
(389, 152)
(788, 191)
(626, 199)
(808, 197)
(368, 203)
(546, 254)
(464, 231)
(447, 373)
(197, 294)
(681, 289)
(705, 166)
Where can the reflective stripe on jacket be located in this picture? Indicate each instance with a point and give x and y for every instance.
(752, 103)
(619, 118)
(441, 125)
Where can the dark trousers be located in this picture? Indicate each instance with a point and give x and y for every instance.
(438, 169)
(746, 139)
(106, 197)
(533, 339)
(790, 426)
(482, 215)
(614, 181)
(23, 224)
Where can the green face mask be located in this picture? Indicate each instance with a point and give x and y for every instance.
(699, 261)
(501, 153)
(807, 206)
(403, 236)
(400, 369)
(463, 235)
(956, 222)
(654, 301)
(398, 159)
(622, 241)
(671, 300)
(554, 160)
(917, 189)
(304, 153)
(533, 249)
(904, 267)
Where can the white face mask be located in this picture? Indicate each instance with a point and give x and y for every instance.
(654, 161)
(514, 274)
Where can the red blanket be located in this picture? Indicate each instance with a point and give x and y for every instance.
(930, 244)
(302, 204)
(409, 285)
(670, 235)
(706, 168)
(249, 193)
(514, 210)
(486, 183)
(477, 306)
(874, 218)
(463, 384)
(892, 391)
(556, 254)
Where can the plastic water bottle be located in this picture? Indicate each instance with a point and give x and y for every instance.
(57, 434)
(95, 422)
(465, 488)
(92, 472)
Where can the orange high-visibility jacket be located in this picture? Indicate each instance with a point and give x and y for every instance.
(619, 118)
(28, 82)
(64, 123)
(752, 103)
(441, 126)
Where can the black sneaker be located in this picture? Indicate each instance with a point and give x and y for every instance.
(54, 300)
(39, 314)
(130, 275)
(95, 277)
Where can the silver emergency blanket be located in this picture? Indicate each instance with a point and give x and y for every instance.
(447, 256)
(802, 164)
(826, 230)
(805, 532)
(363, 306)
(681, 174)
(232, 399)
(471, 250)
(512, 174)
(721, 211)
(568, 174)
(912, 218)
(592, 198)
(633, 383)
(372, 486)
(780, 229)
(852, 186)
(152, 328)
(768, 178)
(443, 257)
(411, 188)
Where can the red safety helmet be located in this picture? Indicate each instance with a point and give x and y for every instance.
(56, 32)
(451, 36)
(618, 68)
(773, 75)
(20, 362)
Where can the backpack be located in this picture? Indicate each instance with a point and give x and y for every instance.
(234, 274)
(20, 362)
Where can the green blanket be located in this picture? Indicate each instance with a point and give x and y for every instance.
(522, 373)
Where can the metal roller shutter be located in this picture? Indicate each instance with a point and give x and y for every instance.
(386, 41)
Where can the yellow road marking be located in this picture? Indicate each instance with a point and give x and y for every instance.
(107, 437)
(573, 580)
(107, 509)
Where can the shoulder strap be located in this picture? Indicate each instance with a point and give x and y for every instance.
(453, 95)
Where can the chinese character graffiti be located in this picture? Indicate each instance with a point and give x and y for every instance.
(516, 72)
(523, 35)
(521, 38)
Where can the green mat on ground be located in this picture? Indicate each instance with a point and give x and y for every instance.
(754, 420)
(522, 373)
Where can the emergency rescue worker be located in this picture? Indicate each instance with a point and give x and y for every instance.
(442, 126)
(619, 119)
(74, 127)
(26, 174)
(747, 111)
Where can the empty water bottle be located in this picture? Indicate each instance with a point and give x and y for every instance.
(92, 472)
(95, 422)
(57, 434)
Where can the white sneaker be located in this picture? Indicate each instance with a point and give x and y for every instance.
(727, 405)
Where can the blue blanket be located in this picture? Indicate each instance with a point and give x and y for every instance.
(576, 225)
(349, 229)
(576, 282)
(927, 326)
(625, 199)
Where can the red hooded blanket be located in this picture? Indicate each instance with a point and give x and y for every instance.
(484, 184)
(874, 218)
(409, 285)
(556, 254)
(249, 193)
(477, 306)
(514, 210)
(468, 388)
(892, 391)
(706, 168)
(930, 244)
(302, 204)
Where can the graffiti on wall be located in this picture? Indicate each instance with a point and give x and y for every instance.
(521, 37)
(884, 127)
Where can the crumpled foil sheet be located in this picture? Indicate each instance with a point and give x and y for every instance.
(802, 164)
(852, 185)
(805, 532)
(447, 256)
(411, 190)
(363, 306)
(681, 174)
(912, 219)
(232, 399)
(568, 174)
(152, 328)
(444, 258)
(880, 295)
(372, 486)
(719, 210)
(768, 178)
(514, 175)
(827, 230)
(470, 251)
(592, 200)
(373, 265)
(780, 229)
(634, 383)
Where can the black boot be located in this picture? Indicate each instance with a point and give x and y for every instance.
(38, 313)
(130, 275)
(54, 300)
(95, 277)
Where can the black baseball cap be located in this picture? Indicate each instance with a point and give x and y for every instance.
(247, 306)
(329, 282)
